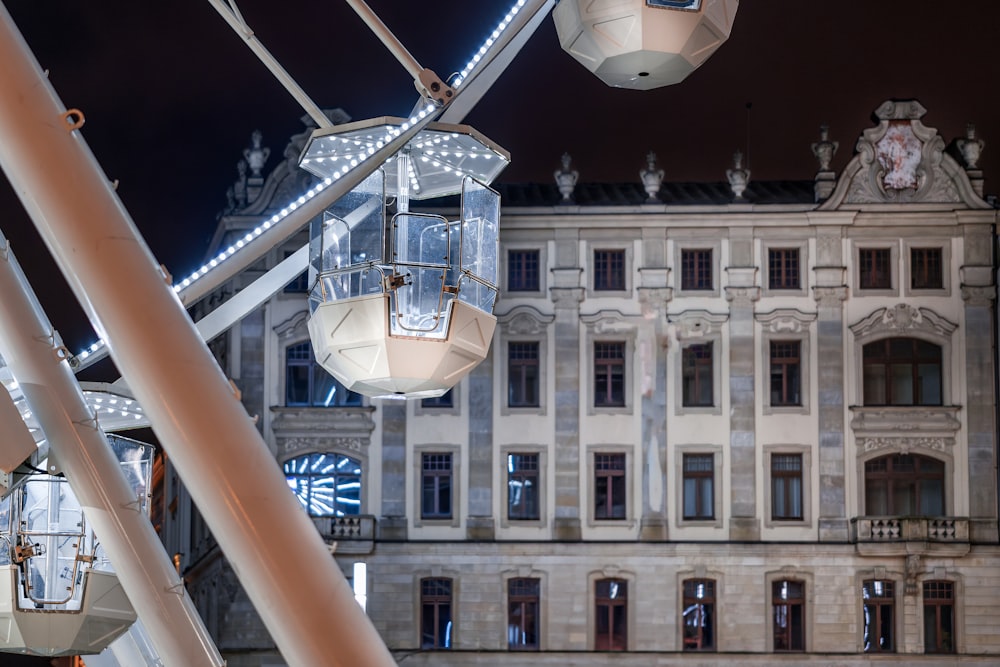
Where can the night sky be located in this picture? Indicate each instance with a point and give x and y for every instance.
(171, 97)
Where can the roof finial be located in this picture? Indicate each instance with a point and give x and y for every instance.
(651, 177)
(566, 178)
(738, 176)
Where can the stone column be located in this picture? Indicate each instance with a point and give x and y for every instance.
(566, 296)
(742, 292)
(392, 523)
(979, 295)
(480, 524)
(830, 292)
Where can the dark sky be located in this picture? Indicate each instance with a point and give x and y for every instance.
(171, 95)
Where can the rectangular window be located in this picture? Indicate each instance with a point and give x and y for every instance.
(879, 605)
(697, 372)
(788, 603)
(698, 612)
(696, 269)
(522, 614)
(522, 487)
(435, 614)
(926, 268)
(783, 268)
(610, 617)
(939, 617)
(786, 373)
(609, 270)
(609, 486)
(522, 271)
(875, 268)
(436, 483)
(699, 493)
(609, 374)
(786, 487)
(522, 374)
(445, 400)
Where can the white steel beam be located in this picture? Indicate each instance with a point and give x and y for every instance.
(108, 501)
(284, 565)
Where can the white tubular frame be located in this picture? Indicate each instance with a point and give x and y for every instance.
(109, 503)
(281, 560)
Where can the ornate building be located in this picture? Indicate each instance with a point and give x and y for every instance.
(739, 418)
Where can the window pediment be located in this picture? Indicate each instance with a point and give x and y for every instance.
(785, 320)
(697, 323)
(904, 429)
(524, 321)
(903, 319)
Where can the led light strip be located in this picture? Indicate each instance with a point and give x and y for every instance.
(218, 260)
(100, 345)
(464, 74)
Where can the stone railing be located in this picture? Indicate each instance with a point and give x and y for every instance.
(345, 528)
(906, 529)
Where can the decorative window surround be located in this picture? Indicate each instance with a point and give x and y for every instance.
(792, 573)
(628, 257)
(611, 572)
(802, 245)
(543, 485)
(805, 451)
(785, 324)
(523, 323)
(457, 484)
(542, 290)
(721, 642)
(527, 572)
(711, 241)
(611, 326)
(696, 327)
(630, 505)
(718, 485)
(875, 244)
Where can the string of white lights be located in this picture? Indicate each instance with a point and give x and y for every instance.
(100, 345)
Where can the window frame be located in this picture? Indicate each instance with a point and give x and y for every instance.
(312, 366)
(686, 601)
(540, 487)
(422, 603)
(419, 520)
(892, 604)
(718, 482)
(359, 477)
(609, 244)
(786, 325)
(711, 240)
(454, 410)
(915, 478)
(508, 285)
(609, 364)
(592, 451)
(509, 375)
(789, 603)
(944, 245)
(616, 277)
(936, 603)
(859, 245)
(519, 246)
(802, 246)
(609, 468)
(629, 604)
(524, 599)
(805, 454)
(887, 362)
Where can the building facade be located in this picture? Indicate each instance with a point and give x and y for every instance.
(742, 420)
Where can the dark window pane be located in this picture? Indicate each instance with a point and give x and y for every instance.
(309, 384)
(435, 613)
(522, 614)
(522, 271)
(610, 615)
(698, 486)
(698, 614)
(522, 487)
(697, 373)
(785, 373)
(902, 371)
(904, 484)
(609, 374)
(609, 486)
(879, 602)
(436, 486)
(875, 268)
(926, 268)
(522, 374)
(445, 400)
(609, 270)
(696, 269)
(786, 487)
(783, 268)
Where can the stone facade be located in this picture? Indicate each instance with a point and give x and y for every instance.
(714, 288)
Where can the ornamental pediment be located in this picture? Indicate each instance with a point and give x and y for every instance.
(524, 321)
(697, 323)
(904, 429)
(901, 160)
(903, 320)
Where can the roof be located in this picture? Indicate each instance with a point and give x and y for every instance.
(680, 194)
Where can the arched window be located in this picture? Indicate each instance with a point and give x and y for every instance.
(326, 484)
(309, 384)
(904, 485)
(902, 371)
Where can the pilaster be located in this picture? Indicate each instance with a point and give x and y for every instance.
(654, 297)
(480, 524)
(392, 524)
(979, 296)
(830, 292)
(742, 292)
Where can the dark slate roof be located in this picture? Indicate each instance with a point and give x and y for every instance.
(677, 194)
